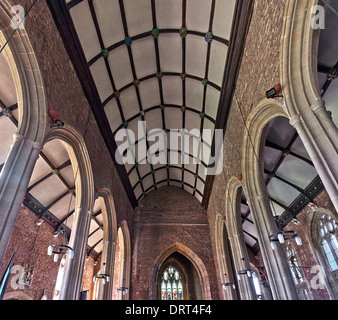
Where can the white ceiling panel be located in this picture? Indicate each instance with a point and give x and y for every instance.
(138, 15)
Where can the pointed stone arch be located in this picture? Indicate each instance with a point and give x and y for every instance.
(224, 256)
(32, 122)
(109, 240)
(236, 235)
(84, 203)
(192, 257)
(126, 257)
(257, 196)
(303, 102)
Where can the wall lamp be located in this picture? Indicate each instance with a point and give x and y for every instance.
(102, 276)
(247, 272)
(123, 289)
(56, 122)
(59, 249)
(274, 92)
(281, 236)
(228, 284)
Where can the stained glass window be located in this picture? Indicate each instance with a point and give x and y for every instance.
(171, 285)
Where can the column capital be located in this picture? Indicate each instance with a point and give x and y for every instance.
(295, 120)
(317, 105)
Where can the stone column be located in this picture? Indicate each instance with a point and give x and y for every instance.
(323, 154)
(244, 281)
(14, 180)
(275, 261)
(71, 285)
(108, 268)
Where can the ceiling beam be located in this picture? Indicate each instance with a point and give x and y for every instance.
(286, 152)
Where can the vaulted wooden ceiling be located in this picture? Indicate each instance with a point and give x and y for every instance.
(168, 63)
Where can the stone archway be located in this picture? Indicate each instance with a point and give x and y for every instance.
(109, 240)
(84, 185)
(192, 257)
(236, 236)
(275, 262)
(127, 259)
(32, 124)
(303, 102)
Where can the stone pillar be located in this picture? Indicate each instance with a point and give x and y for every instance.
(71, 285)
(245, 283)
(108, 268)
(323, 154)
(275, 261)
(14, 180)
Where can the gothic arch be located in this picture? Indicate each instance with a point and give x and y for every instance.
(190, 255)
(236, 236)
(33, 119)
(32, 122)
(223, 256)
(258, 198)
(303, 102)
(109, 240)
(84, 184)
(127, 257)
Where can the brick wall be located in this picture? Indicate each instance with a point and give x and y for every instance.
(31, 242)
(164, 217)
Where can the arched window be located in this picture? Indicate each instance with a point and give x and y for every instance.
(328, 234)
(171, 285)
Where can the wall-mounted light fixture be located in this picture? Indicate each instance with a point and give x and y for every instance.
(247, 272)
(123, 289)
(102, 276)
(228, 284)
(56, 122)
(274, 92)
(281, 236)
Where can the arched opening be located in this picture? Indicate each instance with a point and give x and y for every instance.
(189, 263)
(118, 279)
(101, 247)
(225, 260)
(328, 60)
(80, 217)
(23, 120)
(9, 113)
(276, 267)
(178, 280)
(240, 242)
